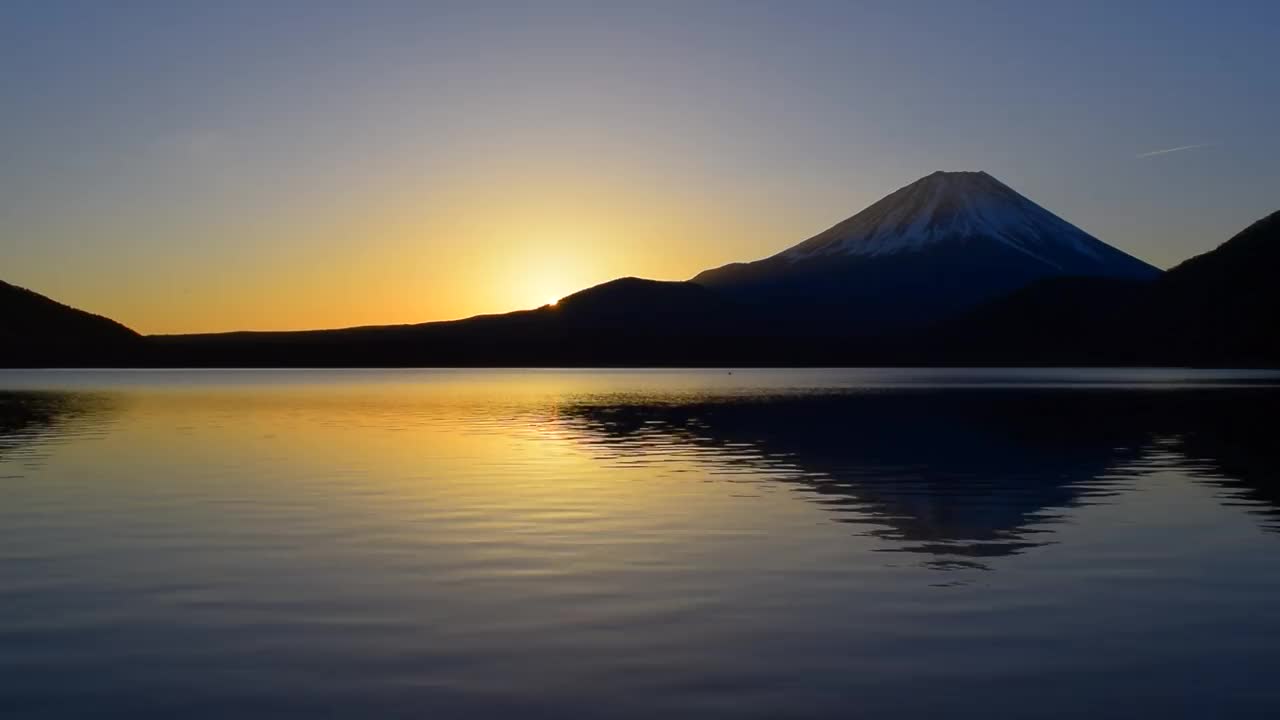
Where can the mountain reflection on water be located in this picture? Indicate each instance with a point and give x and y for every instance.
(958, 474)
(29, 419)
(963, 474)
(637, 544)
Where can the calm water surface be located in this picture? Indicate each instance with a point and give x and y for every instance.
(562, 544)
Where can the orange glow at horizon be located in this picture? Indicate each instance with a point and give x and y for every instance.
(248, 166)
(413, 256)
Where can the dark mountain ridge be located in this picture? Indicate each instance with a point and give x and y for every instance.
(1218, 308)
(906, 282)
(1224, 303)
(629, 321)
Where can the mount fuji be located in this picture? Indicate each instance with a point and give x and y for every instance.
(938, 246)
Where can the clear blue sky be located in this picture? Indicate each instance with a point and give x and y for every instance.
(204, 166)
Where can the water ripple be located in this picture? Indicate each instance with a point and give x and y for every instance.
(628, 544)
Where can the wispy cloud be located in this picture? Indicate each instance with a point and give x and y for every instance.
(1180, 148)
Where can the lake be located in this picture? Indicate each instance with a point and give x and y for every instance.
(639, 543)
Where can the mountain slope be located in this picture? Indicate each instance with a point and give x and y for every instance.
(37, 330)
(1220, 308)
(628, 321)
(1056, 321)
(1226, 302)
(944, 243)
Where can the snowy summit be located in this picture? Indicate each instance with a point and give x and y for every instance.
(944, 242)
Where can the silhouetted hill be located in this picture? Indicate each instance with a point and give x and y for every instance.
(35, 330)
(629, 321)
(1059, 321)
(645, 303)
(1219, 308)
(1225, 304)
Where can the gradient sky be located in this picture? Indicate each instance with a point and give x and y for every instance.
(196, 166)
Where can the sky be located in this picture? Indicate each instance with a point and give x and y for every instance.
(192, 166)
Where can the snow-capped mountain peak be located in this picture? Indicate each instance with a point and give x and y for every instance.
(941, 245)
(952, 206)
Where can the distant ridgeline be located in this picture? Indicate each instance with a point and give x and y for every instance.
(955, 268)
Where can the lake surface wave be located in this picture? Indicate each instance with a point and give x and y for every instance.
(637, 543)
